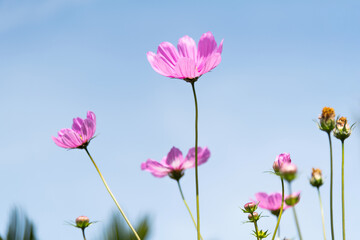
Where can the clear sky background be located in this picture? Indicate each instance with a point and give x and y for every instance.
(282, 63)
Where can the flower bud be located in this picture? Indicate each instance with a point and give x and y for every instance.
(82, 222)
(288, 171)
(292, 199)
(327, 119)
(253, 216)
(316, 179)
(261, 234)
(280, 160)
(250, 207)
(342, 129)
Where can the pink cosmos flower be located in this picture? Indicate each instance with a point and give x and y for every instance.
(80, 135)
(174, 164)
(280, 160)
(187, 62)
(270, 202)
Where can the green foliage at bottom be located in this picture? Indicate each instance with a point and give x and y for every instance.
(119, 230)
(20, 227)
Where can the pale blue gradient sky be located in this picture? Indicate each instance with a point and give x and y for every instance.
(282, 62)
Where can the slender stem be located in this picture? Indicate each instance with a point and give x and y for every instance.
(196, 163)
(343, 190)
(322, 213)
(278, 229)
(256, 227)
(187, 206)
(83, 232)
(295, 216)
(112, 196)
(281, 208)
(331, 189)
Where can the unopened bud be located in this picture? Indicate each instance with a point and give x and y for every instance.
(253, 216)
(316, 179)
(250, 207)
(292, 199)
(342, 129)
(280, 160)
(82, 222)
(288, 171)
(327, 119)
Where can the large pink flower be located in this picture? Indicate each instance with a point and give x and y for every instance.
(81, 133)
(174, 164)
(187, 62)
(270, 202)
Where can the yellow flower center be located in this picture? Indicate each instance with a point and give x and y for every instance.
(328, 113)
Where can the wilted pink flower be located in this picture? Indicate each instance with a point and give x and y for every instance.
(80, 135)
(280, 160)
(174, 164)
(187, 62)
(270, 202)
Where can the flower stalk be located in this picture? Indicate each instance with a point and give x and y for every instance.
(281, 208)
(187, 206)
(331, 188)
(112, 196)
(295, 215)
(322, 213)
(196, 162)
(343, 189)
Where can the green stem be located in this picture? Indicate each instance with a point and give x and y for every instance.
(83, 232)
(343, 190)
(281, 208)
(112, 196)
(187, 206)
(331, 189)
(196, 163)
(256, 227)
(322, 213)
(295, 215)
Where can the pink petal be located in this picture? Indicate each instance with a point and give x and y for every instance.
(220, 48)
(207, 45)
(210, 63)
(186, 68)
(261, 197)
(203, 156)
(59, 142)
(159, 65)
(91, 115)
(168, 53)
(156, 169)
(87, 130)
(174, 158)
(187, 48)
(77, 123)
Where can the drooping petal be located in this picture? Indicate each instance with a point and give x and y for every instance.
(68, 138)
(174, 158)
(59, 142)
(203, 156)
(156, 168)
(186, 68)
(207, 45)
(187, 48)
(159, 65)
(168, 53)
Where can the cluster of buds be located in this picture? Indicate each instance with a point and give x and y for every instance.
(342, 129)
(327, 119)
(253, 216)
(316, 179)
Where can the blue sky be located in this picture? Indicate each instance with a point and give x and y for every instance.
(282, 62)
